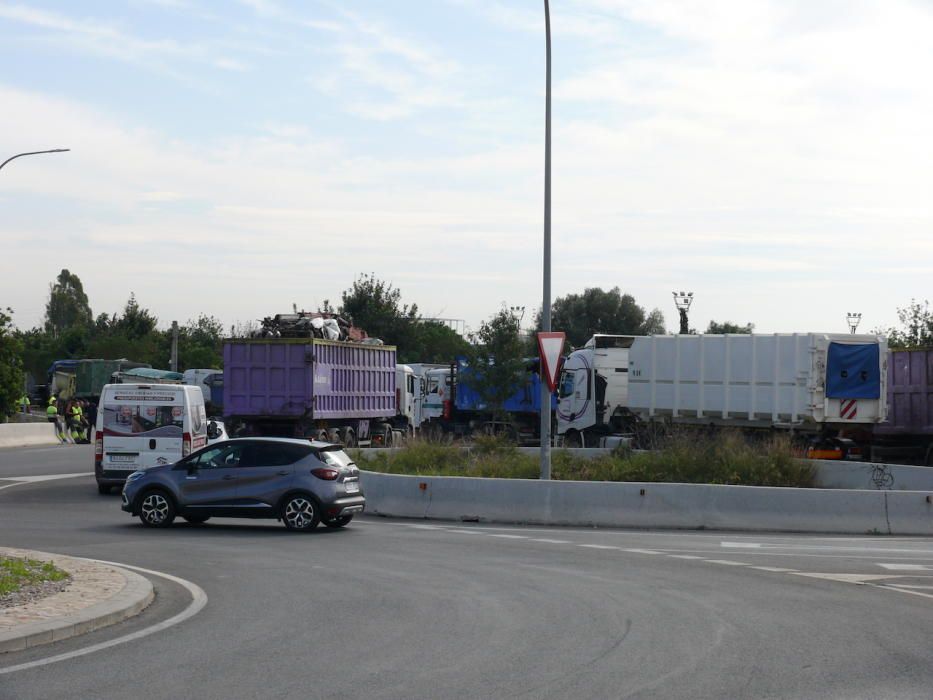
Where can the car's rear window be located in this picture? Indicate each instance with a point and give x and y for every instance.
(271, 454)
(335, 457)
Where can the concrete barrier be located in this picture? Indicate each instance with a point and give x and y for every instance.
(27, 434)
(648, 505)
(867, 475)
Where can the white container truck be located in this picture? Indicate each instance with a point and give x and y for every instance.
(814, 383)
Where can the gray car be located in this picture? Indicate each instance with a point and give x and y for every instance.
(299, 482)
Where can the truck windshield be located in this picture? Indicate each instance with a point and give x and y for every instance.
(335, 457)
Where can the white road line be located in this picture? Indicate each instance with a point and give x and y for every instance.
(20, 480)
(726, 562)
(742, 545)
(642, 551)
(460, 531)
(598, 546)
(552, 541)
(198, 601)
(775, 569)
(905, 567)
(683, 556)
(511, 537)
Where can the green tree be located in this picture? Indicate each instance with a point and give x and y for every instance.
(916, 329)
(726, 327)
(11, 366)
(67, 306)
(598, 311)
(497, 360)
(376, 307)
(432, 342)
(200, 344)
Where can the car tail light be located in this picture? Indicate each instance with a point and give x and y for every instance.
(99, 449)
(186, 444)
(326, 473)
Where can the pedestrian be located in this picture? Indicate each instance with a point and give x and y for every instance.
(24, 403)
(51, 414)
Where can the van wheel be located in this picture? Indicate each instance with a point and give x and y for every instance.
(103, 490)
(341, 521)
(156, 509)
(300, 513)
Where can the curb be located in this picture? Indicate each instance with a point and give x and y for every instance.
(134, 596)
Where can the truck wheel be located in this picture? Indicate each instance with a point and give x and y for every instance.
(573, 439)
(349, 438)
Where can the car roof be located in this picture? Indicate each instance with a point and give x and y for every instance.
(317, 444)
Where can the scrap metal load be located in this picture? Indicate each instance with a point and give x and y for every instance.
(312, 325)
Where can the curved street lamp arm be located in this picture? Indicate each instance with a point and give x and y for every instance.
(33, 153)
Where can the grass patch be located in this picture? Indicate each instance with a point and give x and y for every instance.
(726, 458)
(16, 573)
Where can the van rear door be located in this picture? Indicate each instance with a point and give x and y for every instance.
(143, 426)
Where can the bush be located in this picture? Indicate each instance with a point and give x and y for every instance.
(726, 458)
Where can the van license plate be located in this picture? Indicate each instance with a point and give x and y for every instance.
(122, 458)
(353, 487)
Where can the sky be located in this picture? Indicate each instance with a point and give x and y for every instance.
(234, 158)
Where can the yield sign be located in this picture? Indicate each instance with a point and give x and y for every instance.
(550, 346)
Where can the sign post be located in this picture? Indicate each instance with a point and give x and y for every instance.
(550, 348)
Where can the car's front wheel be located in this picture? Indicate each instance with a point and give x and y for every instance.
(300, 512)
(341, 521)
(156, 509)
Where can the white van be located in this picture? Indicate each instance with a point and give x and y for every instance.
(144, 425)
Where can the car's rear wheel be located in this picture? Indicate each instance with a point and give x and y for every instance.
(197, 519)
(156, 509)
(300, 513)
(341, 521)
(103, 490)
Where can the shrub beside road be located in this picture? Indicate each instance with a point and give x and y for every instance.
(19, 576)
(685, 459)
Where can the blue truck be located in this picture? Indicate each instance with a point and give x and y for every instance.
(454, 408)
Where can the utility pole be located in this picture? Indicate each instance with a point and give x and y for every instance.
(545, 430)
(174, 360)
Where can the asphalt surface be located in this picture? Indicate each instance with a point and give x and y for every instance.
(416, 609)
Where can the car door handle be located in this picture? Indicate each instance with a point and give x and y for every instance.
(284, 472)
(229, 477)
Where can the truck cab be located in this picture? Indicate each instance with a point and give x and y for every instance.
(593, 391)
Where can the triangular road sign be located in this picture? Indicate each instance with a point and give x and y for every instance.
(550, 347)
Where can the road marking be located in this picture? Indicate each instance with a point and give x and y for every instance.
(726, 562)
(461, 531)
(198, 601)
(642, 551)
(683, 556)
(905, 585)
(775, 569)
(906, 567)
(511, 537)
(598, 546)
(553, 541)
(846, 578)
(743, 545)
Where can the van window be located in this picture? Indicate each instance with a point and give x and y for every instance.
(137, 419)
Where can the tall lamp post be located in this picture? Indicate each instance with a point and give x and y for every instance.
(33, 153)
(682, 301)
(545, 430)
(853, 320)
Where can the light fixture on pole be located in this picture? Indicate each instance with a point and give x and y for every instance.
(682, 301)
(33, 153)
(853, 319)
(518, 312)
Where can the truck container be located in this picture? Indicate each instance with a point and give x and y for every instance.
(454, 407)
(92, 375)
(310, 387)
(907, 434)
(806, 382)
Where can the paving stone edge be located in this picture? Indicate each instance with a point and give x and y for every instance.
(132, 599)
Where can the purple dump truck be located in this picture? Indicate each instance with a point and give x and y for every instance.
(907, 434)
(308, 387)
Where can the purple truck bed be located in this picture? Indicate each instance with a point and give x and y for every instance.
(910, 394)
(312, 378)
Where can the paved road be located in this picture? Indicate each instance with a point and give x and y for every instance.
(403, 609)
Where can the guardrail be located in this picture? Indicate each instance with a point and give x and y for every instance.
(27, 434)
(649, 505)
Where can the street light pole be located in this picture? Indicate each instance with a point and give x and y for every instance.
(546, 302)
(33, 153)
